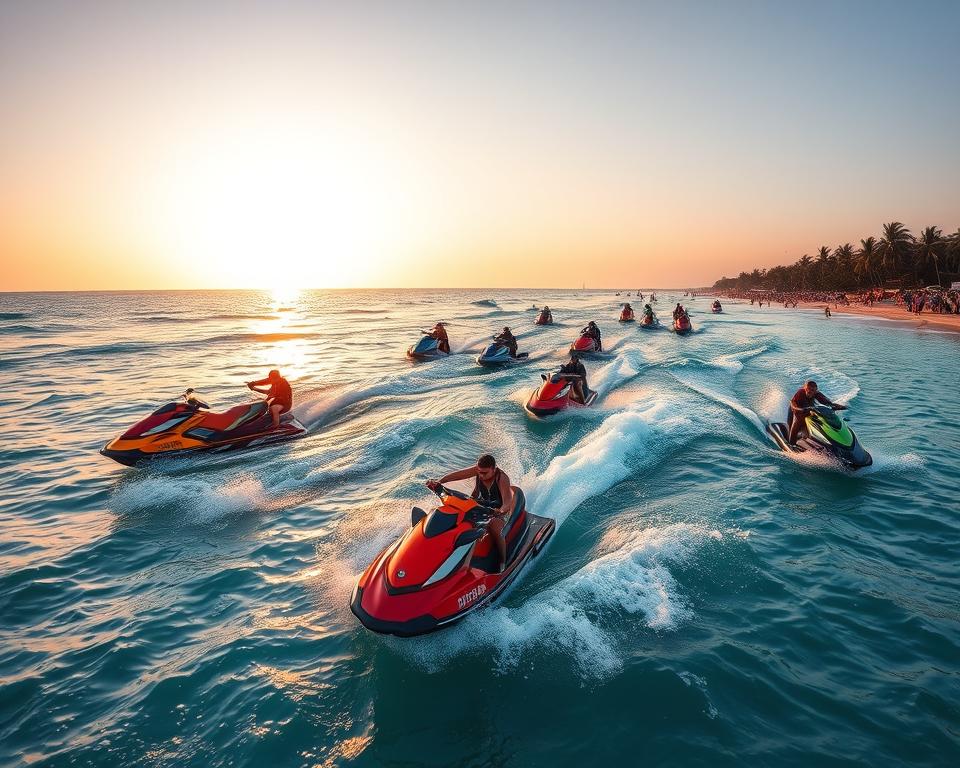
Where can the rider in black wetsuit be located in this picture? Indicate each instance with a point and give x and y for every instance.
(493, 489)
(508, 340)
(575, 368)
(593, 332)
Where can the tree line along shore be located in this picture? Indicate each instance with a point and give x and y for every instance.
(897, 259)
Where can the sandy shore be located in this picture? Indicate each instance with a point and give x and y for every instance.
(888, 311)
(901, 316)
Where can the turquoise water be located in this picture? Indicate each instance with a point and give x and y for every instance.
(705, 600)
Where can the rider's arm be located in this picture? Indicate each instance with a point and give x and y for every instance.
(460, 474)
(820, 397)
(506, 493)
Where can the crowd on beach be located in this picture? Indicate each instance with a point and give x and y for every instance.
(914, 301)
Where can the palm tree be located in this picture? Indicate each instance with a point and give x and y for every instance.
(929, 247)
(868, 259)
(894, 246)
(953, 249)
(803, 264)
(843, 256)
(823, 263)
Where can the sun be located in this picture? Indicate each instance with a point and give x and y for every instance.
(258, 209)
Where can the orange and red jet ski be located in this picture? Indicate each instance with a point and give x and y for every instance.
(185, 426)
(555, 394)
(444, 566)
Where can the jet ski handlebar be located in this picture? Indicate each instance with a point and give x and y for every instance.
(442, 490)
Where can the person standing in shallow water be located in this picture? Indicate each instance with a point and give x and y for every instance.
(492, 489)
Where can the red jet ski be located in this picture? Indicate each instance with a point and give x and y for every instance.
(444, 566)
(682, 325)
(555, 394)
(585, 345)
(179, 428)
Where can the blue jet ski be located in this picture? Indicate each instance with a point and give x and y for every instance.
(496, 355)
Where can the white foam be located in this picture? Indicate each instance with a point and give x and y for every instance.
(582, 615)
(196, 498)
(599, 462)
(696, 382)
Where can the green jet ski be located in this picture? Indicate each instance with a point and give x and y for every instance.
(826, 433)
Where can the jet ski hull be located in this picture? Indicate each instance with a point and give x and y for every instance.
(541, 404)
(427, 348)
(245, 426)
(852, 457)
(385, 608)
(496, 356)
(585, 345)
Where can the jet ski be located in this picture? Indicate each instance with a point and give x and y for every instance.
(649, 322)
(445, 566)
(682, 325)
(497, 354)
(185, 426)
(555, 394)
(716, 308)
(585, 345)
(826, 433)
(544, 318)
(428, 348)
(627, 316)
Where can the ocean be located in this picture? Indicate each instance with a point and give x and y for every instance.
(706, 599)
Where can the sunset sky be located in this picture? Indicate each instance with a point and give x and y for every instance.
(495, 144)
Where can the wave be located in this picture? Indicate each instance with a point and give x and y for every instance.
(362, 311)
(623, 442)
(260, 338)
(198, 500)
(193, 320)
(485, 303)
(583, 615)
(14, 315)
(24, 329)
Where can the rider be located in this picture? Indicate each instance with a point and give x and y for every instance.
(279, 396)
(593, 332)
(627, 310)
(440, 334)
(648, 311)
(574, 367)
(802, 402)
(546, 314)
(678, 310)
(492, 489)
(508, 340)
(193, 401)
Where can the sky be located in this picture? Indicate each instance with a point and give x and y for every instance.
(289, 144)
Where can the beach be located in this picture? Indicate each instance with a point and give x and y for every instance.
(892, 312)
